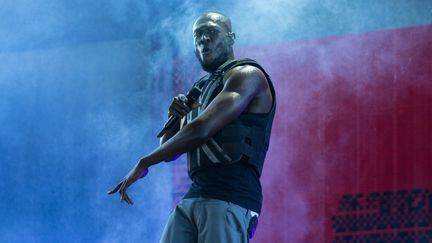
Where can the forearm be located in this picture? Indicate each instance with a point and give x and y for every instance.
(185, 140)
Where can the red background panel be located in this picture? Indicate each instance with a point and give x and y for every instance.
(354, 116)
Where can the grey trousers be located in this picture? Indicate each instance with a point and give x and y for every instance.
(201, 220)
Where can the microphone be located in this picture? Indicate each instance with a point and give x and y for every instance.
(192, 97)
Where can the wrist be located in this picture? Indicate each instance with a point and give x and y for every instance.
(144, 173)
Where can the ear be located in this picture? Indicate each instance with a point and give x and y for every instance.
(231, 36)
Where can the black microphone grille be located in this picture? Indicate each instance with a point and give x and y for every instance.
(194, 94)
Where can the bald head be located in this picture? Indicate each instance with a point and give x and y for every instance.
(215, 17)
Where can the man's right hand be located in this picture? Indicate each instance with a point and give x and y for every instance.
(179, 108)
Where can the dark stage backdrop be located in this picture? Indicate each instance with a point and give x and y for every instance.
(351, 149)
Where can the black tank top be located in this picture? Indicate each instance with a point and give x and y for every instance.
(237, 183)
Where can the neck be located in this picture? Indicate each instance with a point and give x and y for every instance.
(221, 61)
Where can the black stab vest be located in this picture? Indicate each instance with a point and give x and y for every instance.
(246, 139)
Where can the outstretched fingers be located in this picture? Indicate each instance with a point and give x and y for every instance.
(127, 199)
(121, 189)
(123, 195)
(115, 188)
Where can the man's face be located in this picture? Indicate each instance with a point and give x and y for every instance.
(212, 44)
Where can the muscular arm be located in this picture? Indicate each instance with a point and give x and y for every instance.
(241, 86)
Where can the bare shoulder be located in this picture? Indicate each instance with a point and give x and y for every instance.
(248, 75)
(247, 71)
(252, 82)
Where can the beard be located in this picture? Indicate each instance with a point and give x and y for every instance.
(223, 53)
(212, 66)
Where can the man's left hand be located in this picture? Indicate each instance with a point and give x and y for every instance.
(136, 173)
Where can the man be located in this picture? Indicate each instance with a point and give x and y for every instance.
(226, 136)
